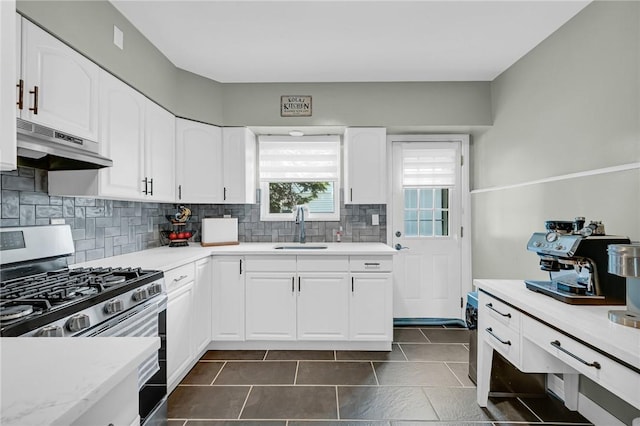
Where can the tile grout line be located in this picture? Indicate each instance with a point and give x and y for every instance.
(529, 408)
(219, 371)
(403, 354)
(295, 377)
(425, 336)
(264, 358)
(454, 374)
(375, 374)
(245, 402)
(337, 404)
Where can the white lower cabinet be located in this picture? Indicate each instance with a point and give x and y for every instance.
(370, 307)
(271, 305)
(179, 338)
(323, 306)
(227, 298)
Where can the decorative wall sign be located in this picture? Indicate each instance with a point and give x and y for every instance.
(295, 106)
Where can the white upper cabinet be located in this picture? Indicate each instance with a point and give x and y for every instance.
(122, 114)
(198, 162)
(365, 165)
(239, 165)
(139, 136)
(9, 72)
(159, 148)
(60, 86)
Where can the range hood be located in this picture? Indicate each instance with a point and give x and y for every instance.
(49, 149)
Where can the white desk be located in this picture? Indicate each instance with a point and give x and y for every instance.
(539, 334)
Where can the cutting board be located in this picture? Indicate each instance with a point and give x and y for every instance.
(219, 231)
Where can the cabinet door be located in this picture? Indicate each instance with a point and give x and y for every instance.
(122, 112)
(227, 306)
(365, 159)
(179, 324)
(160, 148)
(370, 307)
(198, 162)
(239, 167)
(67, 84)
(202, 305)
(9, 76)
(323, 306)
(271, 306)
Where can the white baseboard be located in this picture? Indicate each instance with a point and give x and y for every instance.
(589, 409)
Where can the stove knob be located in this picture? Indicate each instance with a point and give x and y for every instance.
(559, 247)
(140, 294)
(113, 306)
(50, 331)
(78, 322)
(537, 244)
(154, 288)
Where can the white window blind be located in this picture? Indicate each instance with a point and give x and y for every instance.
(299, 159)
(429, 167)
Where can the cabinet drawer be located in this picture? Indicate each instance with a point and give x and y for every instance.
(270, 263)
(502, 338)
(370, 263)
(323, 263)
(499, 311)
(615, 377)
(177, 277)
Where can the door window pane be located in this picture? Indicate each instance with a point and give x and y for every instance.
(426, 212)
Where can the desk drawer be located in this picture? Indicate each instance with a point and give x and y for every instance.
(177, 277)
(499, 311)
(615, 377)
(502, 338)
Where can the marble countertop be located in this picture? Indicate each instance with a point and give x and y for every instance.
(167, 258)
(587, 323)
(55, 380)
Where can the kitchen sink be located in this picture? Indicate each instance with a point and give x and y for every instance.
(300, 247)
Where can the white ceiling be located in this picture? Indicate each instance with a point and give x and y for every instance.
(346, 40)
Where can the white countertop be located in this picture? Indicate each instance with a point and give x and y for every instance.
(55, 380)
(166, 258)
(588, 323)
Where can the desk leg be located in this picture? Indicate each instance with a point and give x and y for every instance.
(485, 359)
(571, 389)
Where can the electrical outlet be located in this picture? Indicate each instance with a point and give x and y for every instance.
(375, 219)
(118, 37)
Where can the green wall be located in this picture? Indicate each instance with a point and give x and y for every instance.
(87, 26)
(571, 105)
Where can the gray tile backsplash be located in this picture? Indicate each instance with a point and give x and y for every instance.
(105, 228)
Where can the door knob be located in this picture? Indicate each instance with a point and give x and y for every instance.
(398, 234)
(399, 247)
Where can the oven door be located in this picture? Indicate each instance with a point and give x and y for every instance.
(146, 320)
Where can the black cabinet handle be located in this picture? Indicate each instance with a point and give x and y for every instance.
(224, 195)
(352, 284)
(293, 284)
(504, 342)
(145, 192)
(594, 364)
(151, 185)
(35, 99)
(490, 306)
(20, 87)
(350, 194)
(179, 192)
(298, 284)
(240, 266)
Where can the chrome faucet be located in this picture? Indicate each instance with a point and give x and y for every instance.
(300, 222)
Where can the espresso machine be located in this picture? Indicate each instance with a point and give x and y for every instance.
(575, 256)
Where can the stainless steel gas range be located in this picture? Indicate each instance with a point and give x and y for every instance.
(41, 296)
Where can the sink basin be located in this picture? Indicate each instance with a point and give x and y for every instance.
(300, 247)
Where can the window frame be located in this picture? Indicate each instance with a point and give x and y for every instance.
(266, 216)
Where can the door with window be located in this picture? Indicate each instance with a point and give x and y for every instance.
(426, 229)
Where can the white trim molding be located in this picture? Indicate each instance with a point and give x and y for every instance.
(605, 170)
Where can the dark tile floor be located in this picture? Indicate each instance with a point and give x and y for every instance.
(422, 381)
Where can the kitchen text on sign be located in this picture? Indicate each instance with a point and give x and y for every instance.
(295, 106)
